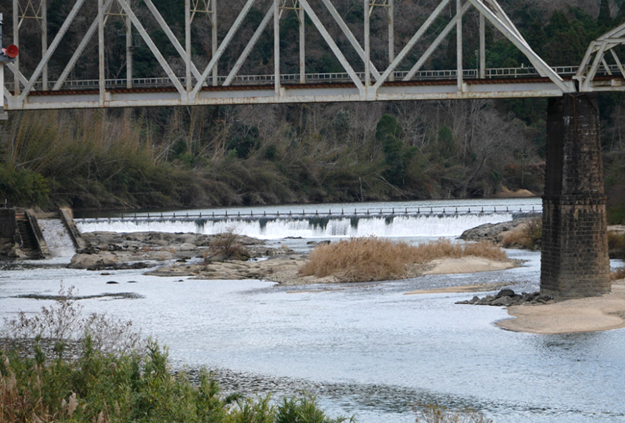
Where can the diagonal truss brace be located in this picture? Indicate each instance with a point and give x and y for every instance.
(46, 58)
(79, 50)
(350, 36)
(605, 43)
(250, 45)
(334, 13)
(402, 55)
(159, 57)
(426, 55)
(170, 35)
(220, 51)
(335, 49)
(501, 21)
(20, 75)
(489, 9)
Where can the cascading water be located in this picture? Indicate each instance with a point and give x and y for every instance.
(430, 225)
(56, 236)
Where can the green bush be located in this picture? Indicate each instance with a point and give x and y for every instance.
(98, 387)
(23, 187)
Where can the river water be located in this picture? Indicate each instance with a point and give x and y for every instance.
(365, 349)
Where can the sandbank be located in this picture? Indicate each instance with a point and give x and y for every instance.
(468, 264)
(579, 315)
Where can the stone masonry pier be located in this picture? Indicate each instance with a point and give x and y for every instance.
(575, 259)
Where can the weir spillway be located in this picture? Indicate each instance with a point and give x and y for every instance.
(426, 223)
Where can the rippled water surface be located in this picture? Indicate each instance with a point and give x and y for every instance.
(365, 349)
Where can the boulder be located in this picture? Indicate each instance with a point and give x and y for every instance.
(493, 232)
(505, 293)
(501, 301)
(85, 261)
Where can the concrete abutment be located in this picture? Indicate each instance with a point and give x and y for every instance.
(575, 260)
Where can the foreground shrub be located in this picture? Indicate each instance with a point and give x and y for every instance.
(124, 387)
(374, 259)
(123, 384)
(529, 236)
(63, 323)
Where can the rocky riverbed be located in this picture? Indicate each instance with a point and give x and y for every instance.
(226, 256)
(112, 250)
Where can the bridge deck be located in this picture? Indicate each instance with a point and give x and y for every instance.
(290, 93)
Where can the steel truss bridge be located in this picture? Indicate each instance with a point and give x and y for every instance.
(220, 82)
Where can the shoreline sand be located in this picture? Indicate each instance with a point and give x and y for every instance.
(592, 314)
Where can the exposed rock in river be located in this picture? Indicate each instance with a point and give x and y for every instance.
(507, 297)
(226, 256)
(493, 231)
(113, 251)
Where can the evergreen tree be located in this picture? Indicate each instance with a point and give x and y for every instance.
(620, 16)
(536, 37)
(388, 131)
(604, 20)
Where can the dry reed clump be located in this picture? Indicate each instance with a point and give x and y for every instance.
(226, 246)
(528, 237)
(617, 274)
(432, 413)
(444, 248)
(374, 259)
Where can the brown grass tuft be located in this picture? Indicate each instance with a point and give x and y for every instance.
(375, 259)
(617, 274)
(529, 236)
(226, 246)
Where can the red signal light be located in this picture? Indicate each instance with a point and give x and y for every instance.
(11, 51)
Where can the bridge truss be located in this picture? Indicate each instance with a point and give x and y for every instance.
(210, 80)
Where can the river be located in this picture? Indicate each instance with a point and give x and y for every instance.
(365, 349)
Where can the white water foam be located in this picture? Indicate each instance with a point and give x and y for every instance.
(318, 227)
(56, 236)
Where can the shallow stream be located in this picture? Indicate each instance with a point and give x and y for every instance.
(365, 349)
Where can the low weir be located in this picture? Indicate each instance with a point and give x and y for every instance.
(428, 222)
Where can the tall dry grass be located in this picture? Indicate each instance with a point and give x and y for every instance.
(375, 259)
(617, 274)
(433, 413)
(529, 236)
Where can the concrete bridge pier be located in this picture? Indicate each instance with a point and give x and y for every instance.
(575, 260)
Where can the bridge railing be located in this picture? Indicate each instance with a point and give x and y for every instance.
(424, 75)
(323, 213)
